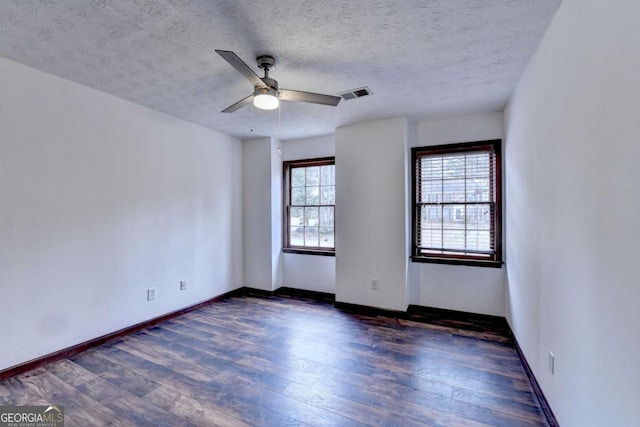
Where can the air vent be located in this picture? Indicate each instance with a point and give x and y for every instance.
(355, 93)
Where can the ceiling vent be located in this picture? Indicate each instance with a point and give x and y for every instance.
(355, 93)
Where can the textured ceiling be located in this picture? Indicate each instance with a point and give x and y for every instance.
(420, 58)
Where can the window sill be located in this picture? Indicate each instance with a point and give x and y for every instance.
(458, 261)
(309, 252)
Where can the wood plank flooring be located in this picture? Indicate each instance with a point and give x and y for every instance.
(290, 361)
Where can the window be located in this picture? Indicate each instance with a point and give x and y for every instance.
(309, 206)
(457, 204)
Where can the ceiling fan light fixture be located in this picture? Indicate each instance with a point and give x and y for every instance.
(265, 98)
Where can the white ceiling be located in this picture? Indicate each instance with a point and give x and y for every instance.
(420, 58)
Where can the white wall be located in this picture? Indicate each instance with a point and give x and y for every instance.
(309, 272)
(572, 155)
(262, 195)
(371, 190)
(309, 148)
(455, 287)
(276, 214)
(101, 199)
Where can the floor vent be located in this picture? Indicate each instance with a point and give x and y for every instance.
(356, 93)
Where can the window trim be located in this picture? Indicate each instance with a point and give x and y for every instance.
(286, 197)
(459, 259)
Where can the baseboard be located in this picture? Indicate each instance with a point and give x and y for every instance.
(436, 316)
(303, 293)
(458, 319)
(455, 314)
(370, 311)
(544, 404)
(291, 292)
(79, 348)
(256, 292)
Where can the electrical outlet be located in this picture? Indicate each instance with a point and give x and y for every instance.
(375, 284)
(151, 294)
(552, 360)
(183, 285)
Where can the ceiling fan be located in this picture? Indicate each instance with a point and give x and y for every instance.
(266, 94)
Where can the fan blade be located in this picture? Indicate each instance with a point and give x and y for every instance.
(238, 105)
(315, 98)
(242, 68)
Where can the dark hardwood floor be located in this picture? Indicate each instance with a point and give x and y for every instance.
(289, 361)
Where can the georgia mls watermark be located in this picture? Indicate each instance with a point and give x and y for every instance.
(31, 416)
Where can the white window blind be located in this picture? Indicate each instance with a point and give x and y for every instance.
(456, 202)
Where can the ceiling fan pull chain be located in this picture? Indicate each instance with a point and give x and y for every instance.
(251, 128)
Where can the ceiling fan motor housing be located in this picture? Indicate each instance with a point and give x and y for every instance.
(266, 62)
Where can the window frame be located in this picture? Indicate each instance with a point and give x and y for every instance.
(286, 197)
(495, 260)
